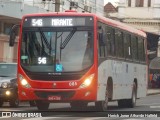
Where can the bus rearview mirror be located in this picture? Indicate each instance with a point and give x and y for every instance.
(13, 35)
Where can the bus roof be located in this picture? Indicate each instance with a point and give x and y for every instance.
(99, 18)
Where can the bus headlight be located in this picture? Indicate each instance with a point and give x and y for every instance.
(87, 82)
(24, 82)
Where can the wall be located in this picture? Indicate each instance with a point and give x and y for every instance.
(7, 54)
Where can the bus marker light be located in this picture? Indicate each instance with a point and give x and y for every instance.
(23, 93)
(87, 93)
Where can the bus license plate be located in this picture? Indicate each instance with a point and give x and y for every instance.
(54, 97)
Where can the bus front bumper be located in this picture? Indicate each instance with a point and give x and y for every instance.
(58, 95)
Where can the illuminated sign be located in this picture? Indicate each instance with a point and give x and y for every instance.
(62, 22)
(42, 60)
(37, 22)
(59, 67)
(57, 21)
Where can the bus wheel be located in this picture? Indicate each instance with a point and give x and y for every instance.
(122, 103)
(42, 105)
(132, 102)
(78, 105)
(102, 105)
(129, 103)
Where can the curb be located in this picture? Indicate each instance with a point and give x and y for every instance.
(153, 92)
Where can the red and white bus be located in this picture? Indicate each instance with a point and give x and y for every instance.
(80, 58)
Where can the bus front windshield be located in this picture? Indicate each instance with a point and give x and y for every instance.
(60, 50)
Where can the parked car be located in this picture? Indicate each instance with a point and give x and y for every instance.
(9, 86)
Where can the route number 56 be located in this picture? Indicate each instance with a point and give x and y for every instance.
(42, 60)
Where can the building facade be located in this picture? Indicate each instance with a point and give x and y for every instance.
(11, 12)
(141, 14)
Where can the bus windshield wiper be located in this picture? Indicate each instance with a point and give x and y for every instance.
(63, 45)
(45, 39)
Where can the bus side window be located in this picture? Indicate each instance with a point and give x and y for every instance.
(141, 54)
(108, 38)
(102, 45)
(134, 48)
(110, 41)
(119, 43)
(127, 46)
(102, 50)
(144, 50)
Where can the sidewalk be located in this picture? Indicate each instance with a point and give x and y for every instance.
(153, 91)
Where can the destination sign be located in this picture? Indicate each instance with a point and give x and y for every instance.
(62, 22)
(57, 21)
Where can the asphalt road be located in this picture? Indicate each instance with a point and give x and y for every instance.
(147, 108)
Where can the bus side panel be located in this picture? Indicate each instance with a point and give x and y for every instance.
(114, 70)
(123, 75)
(122, 79)
(142, 81)
(102, 80)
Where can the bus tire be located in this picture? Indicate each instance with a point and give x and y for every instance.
(129, 103)
(132, 102)
(78, 105)
(102, 105)
(42, 105)
(121, 103)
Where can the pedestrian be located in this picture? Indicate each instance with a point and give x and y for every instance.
(154, 79)
(150, 80)
(158, 81)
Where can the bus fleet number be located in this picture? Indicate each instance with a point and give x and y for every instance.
(72, 83)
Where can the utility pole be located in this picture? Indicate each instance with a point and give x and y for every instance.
(57, 5)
